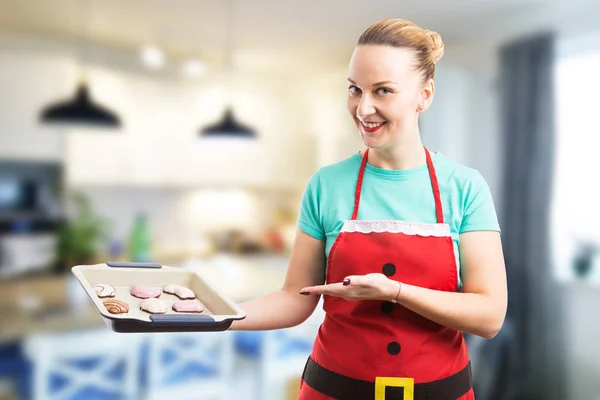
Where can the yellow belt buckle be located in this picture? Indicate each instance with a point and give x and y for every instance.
(407, 383)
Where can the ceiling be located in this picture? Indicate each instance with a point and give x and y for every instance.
(285, 33)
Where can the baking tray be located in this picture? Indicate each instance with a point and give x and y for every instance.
(219, 311)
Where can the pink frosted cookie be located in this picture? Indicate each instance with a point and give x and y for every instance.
(103, 290)
(153, 306)
(180, 291)
(145, 292)
(189, 306)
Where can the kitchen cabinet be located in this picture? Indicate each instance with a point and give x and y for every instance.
(126, 160)
(98, 160)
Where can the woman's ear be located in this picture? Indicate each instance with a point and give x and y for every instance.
(427, 94)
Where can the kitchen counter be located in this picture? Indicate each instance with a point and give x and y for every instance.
(58, 303)
(41, 305)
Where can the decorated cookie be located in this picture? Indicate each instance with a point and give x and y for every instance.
(103, 290)
(116, 306)
(153, 306)
(145, 292)
(188, 306)
(180, 291)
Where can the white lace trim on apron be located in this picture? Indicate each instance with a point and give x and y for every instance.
(392, 226)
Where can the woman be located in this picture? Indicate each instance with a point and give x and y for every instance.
(407, 240)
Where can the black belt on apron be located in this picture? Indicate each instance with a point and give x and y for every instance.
(342, 387)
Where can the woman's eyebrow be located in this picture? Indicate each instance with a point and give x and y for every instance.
(375, 84)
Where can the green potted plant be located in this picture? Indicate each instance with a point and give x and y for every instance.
(81, 237)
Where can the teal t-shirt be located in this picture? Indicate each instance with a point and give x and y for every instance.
(406, 195)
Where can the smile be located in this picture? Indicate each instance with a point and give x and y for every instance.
(371, 126)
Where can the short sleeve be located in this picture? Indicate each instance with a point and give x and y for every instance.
(309, 218)
(479, 211)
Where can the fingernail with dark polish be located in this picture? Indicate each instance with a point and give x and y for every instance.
(346, 282)
(305, 293)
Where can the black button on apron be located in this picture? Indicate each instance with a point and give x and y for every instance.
(389, 269)
(393, 348)
(387, 307)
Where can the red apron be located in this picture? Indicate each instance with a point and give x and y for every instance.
(377, 341)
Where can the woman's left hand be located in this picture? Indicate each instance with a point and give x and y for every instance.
(374, 286)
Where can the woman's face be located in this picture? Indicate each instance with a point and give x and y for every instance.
(384, 93)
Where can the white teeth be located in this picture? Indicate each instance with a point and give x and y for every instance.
(372, 124)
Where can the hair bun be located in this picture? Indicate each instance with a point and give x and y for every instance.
(437, 46)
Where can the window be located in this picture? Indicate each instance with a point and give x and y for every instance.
(575, 209)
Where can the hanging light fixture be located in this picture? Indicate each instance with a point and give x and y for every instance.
(80, 109)
(228, 126)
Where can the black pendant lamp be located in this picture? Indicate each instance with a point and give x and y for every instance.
(228, 126)
(80, 110)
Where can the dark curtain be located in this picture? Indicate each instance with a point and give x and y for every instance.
(526, 360)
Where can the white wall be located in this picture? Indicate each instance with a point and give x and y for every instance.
(23, 91)
(336, 134)
(462, 121)
(581, 325)
(446, 124)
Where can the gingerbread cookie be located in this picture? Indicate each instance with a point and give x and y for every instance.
(116, 306)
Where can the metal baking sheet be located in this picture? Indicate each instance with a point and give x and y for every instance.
(219, 311)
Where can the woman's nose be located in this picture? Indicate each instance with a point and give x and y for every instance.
(365, 107)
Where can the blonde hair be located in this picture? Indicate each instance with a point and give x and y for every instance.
(399, 33)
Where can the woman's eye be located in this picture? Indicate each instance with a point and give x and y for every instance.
(353, 89)
(385, 90)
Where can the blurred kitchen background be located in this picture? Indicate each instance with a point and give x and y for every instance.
(183, 132)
